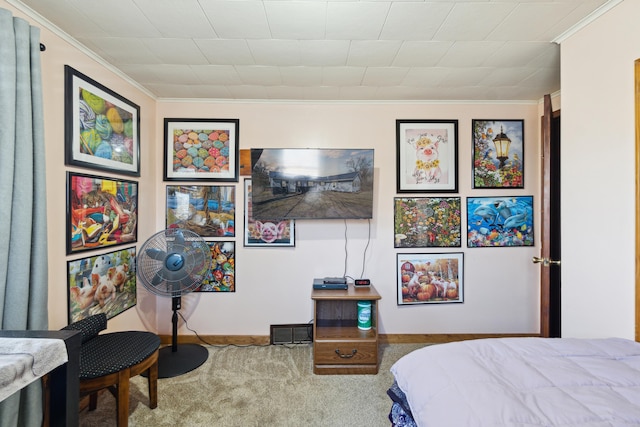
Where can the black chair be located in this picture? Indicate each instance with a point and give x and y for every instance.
(109, 360)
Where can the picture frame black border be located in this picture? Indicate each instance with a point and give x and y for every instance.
(246, 242)
(71, 110)
(68, 281)
(399, 164)
(469, 214)
(68, 216)
(473, 156)
(461, 279)
(209, 176)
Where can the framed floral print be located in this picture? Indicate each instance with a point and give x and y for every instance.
(423, 222)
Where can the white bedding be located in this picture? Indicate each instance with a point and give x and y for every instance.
(523, 381)
(24, 360)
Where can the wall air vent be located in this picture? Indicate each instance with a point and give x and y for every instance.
(292, 334)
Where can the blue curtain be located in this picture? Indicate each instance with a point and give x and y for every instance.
(23, 211)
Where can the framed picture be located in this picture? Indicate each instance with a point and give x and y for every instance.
(101, 284)
(207, 210)
(500, 221)
(102, 128)
(198, 149)
(498, 153)
(427, 156)
(101, 212)
(426, 222)
(430, 278)
(221, 277)
(264, 232)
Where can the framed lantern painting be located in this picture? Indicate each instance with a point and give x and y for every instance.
(430, 278)
(498, 153)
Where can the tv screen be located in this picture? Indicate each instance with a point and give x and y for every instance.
(308, 183)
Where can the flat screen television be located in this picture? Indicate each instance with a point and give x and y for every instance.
(309, 183)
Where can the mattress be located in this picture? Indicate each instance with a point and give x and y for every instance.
(523, 381)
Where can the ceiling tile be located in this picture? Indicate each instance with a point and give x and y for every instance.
(259, 75)
(529, 20)
(421, 53)
(373, 53)
(237, 19)
(468, 54)
(342, 76)
(121, 17)
(225, 52)
(384, 76)
(473, 21)
(414, 20)
(355, 20)
(301, 76)
(173, 18)
(176, 51)
(296, 20)
(217, 74)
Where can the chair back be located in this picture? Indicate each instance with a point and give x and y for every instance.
(89, 327)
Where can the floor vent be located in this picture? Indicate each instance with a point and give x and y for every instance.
(292, 334)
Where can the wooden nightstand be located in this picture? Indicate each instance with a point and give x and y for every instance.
(339, 347)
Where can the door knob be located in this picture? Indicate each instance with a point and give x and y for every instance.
(545, 261)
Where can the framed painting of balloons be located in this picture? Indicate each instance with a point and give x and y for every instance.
(102, 128)
(500, 221)
(498, 153)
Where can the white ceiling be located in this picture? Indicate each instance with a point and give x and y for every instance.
(326, 49)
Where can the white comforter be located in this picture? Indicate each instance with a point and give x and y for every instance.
(523, 382)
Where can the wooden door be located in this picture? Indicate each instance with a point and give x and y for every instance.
(549, 259)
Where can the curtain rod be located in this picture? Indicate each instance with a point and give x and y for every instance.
(42, 47)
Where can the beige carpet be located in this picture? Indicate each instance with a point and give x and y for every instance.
(260, 386)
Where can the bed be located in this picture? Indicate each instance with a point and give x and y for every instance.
(518, 382)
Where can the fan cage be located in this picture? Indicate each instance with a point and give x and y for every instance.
(160, 280)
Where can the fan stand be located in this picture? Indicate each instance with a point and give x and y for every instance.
(177, 359)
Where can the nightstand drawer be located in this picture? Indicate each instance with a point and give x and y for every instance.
(345, 353)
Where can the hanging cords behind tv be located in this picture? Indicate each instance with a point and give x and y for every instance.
(346, 252)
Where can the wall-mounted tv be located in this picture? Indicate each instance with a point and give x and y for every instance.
(309, 183)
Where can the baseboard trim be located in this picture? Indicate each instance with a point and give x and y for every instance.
(384, 338)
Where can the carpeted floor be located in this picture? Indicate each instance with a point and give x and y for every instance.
(259, 386)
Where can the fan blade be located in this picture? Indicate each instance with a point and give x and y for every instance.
(157, 254)
(179, 239)
(157, 279)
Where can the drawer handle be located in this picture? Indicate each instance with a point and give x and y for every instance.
(346, 356)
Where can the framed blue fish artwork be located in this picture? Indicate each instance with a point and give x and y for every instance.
(500, 221)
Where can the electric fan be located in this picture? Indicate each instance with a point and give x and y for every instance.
(172, 263)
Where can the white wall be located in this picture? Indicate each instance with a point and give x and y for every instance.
(274, 284)
(598, 175)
